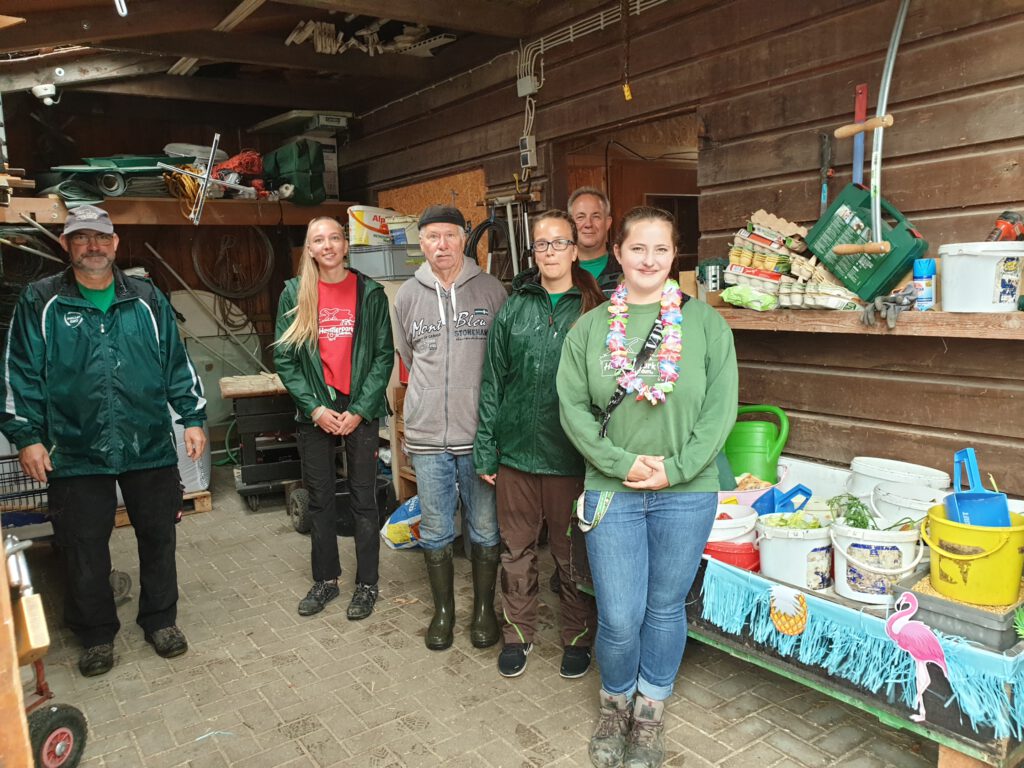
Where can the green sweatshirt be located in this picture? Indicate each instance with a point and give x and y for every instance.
(688, 429)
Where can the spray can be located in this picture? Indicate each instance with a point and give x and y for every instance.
(924, 282)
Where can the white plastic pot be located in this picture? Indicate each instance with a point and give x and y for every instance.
(869, 563)
(739, 529)
(798, 556)
(867, 472)
(892, 502)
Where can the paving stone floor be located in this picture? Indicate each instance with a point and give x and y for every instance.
(262, 687)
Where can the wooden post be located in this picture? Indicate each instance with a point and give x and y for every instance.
(14, 743)
(950, 758)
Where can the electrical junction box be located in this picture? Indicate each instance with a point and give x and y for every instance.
(528, 152)
(527, 86)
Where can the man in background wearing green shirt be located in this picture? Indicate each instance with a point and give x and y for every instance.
(591, 210)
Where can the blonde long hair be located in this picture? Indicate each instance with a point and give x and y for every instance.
(305, 325)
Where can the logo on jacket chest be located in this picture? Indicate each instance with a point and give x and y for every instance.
(73, 319)
(476, 319)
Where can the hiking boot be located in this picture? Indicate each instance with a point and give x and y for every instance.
(608, 744)
(441, 574)
(96, 660)
(168, 642)
(363, 600)
(321, 593)
(484, 630)
(512, 659)
(575, 661)
(645, 747)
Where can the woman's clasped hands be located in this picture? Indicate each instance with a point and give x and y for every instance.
(647, 474)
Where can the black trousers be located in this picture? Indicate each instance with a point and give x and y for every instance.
(83, 509)
(316, 449)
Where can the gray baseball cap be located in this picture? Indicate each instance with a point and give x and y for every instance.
(88, 217)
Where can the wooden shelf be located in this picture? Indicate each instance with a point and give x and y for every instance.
(166, 211)
(1004, 325)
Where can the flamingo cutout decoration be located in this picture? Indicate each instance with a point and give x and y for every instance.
(919, 641)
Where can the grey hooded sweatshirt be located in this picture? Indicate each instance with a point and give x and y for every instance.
(442, 338)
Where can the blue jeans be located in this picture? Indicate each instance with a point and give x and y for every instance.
(443, 478)
(643, 556)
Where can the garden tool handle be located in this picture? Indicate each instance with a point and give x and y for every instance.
(847, 249)
(954, 555)
(965, 458)
(874, 568)
(852, 129)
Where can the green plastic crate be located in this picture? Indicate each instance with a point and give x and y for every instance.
(848, 220)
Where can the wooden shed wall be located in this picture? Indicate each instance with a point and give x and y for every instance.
(763, 80)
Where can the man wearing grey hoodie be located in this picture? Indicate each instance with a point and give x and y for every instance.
(442, 317)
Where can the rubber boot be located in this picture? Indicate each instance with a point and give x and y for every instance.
(484, 631)
(646, 745)
(441, 574)
(608, 744)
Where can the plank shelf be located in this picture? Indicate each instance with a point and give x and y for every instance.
(166, 211)
(1004, 325)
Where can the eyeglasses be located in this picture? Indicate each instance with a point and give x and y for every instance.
(436, 237)
(561, 244)
(83, 238)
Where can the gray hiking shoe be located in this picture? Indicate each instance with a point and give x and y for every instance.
(645, 747)
(608, 744)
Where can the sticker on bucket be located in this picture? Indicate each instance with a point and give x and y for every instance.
(819, 568)
(1007, 280)
(865, 582)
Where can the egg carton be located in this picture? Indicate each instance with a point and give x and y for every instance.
(760, 279)
(809, 270)
(791, 235)
(796, 295)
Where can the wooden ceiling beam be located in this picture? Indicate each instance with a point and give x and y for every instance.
(270, 52)
(78, 68)
(81, 26)
(498, 19)
(309, 95)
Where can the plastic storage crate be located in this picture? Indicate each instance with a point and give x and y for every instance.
(385, 262)
(848, 220)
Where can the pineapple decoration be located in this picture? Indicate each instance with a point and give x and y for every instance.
(788, 610)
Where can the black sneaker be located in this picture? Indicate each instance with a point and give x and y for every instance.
(168, 642)
(319, 595)
(512, 659)
(97, 660)
(575, 661)
(363, 600)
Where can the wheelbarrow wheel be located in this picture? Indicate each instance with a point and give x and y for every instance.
(253, 502)
(58, 734)
(298, 510)
(121, 584)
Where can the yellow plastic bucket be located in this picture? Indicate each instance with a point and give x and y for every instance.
(975, 563)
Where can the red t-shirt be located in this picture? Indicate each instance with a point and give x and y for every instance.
(337, 302)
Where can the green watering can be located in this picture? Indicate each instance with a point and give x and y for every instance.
(755, 446)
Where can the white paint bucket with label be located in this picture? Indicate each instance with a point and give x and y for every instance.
(981, 277)
(798, 556)
(869, 563)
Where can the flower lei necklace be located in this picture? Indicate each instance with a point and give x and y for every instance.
(669, 350)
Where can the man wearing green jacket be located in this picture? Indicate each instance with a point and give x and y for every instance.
(93, 375)
(591, 210)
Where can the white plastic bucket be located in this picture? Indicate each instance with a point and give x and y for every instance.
(368, 225)
(892, 502)
(798, 556)
(869, 563)
(867, 472)
(738, 529)
(981, 277)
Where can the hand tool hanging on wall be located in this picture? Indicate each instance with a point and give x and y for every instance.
(826, 171)
(860, 114)
(878, 124)
(206, 309)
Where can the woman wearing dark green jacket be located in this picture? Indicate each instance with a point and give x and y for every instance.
(520, 446)
(334, 354)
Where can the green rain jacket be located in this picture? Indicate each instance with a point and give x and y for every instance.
(373, 356)
(94, 387)
(518, 413)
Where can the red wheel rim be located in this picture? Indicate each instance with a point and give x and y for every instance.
(58, 747)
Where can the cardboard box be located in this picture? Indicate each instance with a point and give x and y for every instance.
(332, 177)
